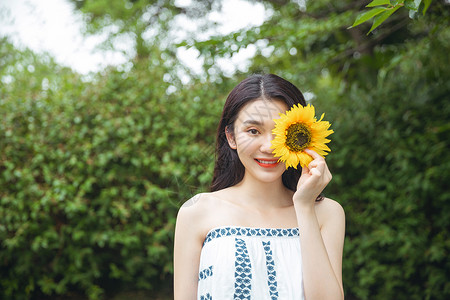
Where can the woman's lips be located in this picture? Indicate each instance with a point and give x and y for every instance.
(267, 163)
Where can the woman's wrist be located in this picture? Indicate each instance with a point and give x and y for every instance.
(304, 205)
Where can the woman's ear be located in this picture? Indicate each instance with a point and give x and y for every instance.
(230, 138)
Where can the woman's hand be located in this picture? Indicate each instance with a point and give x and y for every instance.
(313, 180)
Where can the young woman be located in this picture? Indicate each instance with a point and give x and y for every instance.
(263, 232)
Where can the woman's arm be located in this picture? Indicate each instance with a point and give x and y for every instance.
(188, 244)
(321, 242)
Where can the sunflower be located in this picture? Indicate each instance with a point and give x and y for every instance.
(297, 130)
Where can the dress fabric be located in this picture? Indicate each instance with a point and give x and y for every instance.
(250, 263)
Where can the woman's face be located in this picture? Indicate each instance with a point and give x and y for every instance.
(252, 139)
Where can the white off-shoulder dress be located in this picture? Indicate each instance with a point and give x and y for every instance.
(251, 263)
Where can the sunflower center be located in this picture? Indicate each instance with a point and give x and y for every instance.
(298, 137)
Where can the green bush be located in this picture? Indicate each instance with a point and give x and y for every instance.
(391, 169)
(92, 175)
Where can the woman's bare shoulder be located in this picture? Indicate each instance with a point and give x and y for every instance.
(196, 205)
(203, 208)
(330, 204)
(329, 210)
(190, 219)
(201, 201)
(207, 207)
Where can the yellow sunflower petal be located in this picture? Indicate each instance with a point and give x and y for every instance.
(296, 130)
(292, 161)
(305, 159)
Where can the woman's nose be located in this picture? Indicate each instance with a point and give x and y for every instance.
(267, 143)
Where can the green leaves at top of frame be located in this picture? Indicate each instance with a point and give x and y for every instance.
(426, 4)
(378, 2)
(383, 9)
(368, 15)
(382, 17)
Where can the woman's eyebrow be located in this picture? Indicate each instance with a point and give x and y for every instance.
(253, 122)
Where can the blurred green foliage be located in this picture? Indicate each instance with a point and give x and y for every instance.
(391, 167)
(92, 172)
(92, 175)
(381, 10)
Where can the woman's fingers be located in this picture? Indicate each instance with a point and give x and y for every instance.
(314, 178)
(305, 170)
(315, 172)
(313, 154)
(318, 166)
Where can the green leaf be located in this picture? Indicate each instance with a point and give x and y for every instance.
(426, 4)
(378, 3)
(381, 18)
(368, 15)
(412, 4)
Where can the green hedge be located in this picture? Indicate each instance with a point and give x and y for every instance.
(391, 167)
(92, 175)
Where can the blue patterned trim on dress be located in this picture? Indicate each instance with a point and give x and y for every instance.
(271, 273)
(243, 272)
(249, 231)
(205, 273)
(206, 297)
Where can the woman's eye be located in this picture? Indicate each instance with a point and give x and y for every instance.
(253, 131)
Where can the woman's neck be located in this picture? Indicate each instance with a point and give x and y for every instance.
(264, 194)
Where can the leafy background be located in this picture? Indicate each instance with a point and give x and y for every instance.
(93, 171)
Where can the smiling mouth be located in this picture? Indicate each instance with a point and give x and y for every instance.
(267, 163)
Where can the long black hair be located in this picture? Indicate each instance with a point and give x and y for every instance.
(228, 169)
